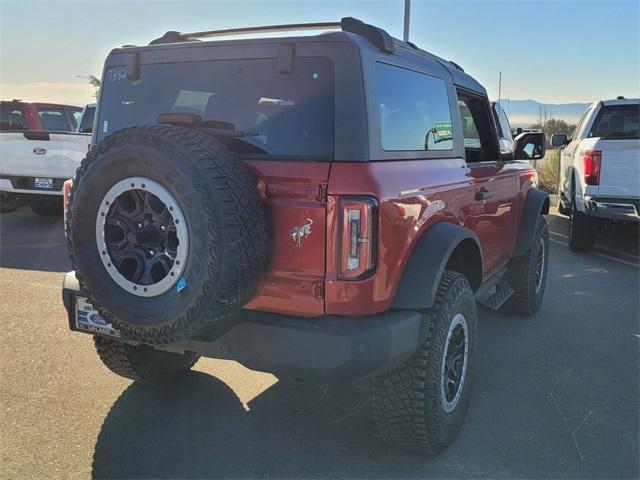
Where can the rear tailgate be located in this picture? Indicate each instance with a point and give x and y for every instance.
(296, 212)
(42, 154)
(620, 174)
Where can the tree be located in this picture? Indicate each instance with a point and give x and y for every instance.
(552, 126)
(93, 81)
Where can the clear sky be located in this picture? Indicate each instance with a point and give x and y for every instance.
(551, 51)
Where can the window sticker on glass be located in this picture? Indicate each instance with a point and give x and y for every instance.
(443, 130)
(275, 101)
(105, 126)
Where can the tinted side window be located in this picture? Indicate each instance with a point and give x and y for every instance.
(11, 117)
(414, 110)
(54, 119)
(576, 132)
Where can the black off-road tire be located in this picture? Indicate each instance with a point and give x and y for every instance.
(141, 362)
(46, 205)
(522, 273)
(407, 405)
(8, 202)
(223, 214)
(582, 230)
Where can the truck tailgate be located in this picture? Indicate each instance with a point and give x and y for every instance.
(620, 170)
(42, 154)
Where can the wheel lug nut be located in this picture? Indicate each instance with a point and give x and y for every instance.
(163, 228)
(151, 252)
(139, 225)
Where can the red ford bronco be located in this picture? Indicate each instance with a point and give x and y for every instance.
(330, 207)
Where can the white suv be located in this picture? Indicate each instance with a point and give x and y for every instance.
(600, 169)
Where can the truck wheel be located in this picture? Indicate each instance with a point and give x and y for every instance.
(421, 404)
(8, 202)
(141, 362)
(46, 205)
(166, 232)
(582, 230)
(527, 274)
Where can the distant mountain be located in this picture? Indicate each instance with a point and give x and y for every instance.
(522, 113)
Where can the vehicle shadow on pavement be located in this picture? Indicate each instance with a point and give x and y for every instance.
(197, 427)
(33, 242)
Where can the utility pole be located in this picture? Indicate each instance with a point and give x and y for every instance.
(500, 90)
(407, 11)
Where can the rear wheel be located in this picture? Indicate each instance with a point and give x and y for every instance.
(8, 202)
(46, 205)
(141, 362)
(582, 230)
(527, 274)
(421, 404)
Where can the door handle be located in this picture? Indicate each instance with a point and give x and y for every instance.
(483, 194)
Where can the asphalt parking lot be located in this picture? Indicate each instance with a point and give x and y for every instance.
(556, 395)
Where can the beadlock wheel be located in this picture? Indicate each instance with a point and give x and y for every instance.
(142, 236)
(454, 363)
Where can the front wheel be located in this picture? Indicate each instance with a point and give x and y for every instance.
(421, 404)
(141, 362)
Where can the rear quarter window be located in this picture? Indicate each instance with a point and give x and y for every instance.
(413, 110)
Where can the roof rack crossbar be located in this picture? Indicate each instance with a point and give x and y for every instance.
(377, 36)
(260, 29)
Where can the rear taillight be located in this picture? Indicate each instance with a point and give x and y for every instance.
(592, 165)
(66, 191)
(357, 237)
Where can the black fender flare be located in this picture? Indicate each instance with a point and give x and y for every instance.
(535, 204)
(419, 283)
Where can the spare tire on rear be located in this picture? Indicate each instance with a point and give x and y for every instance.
(166, 232)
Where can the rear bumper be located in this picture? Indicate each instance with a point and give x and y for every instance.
(622, 209)
(330, 348)
(18, 184)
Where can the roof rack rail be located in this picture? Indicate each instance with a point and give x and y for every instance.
(172, 37)
(377, 36)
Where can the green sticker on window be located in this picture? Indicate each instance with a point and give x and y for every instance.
(443, 129)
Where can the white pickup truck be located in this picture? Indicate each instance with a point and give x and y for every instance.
(40, 148)
(600, 169)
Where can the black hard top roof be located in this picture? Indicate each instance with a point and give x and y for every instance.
(366, 37)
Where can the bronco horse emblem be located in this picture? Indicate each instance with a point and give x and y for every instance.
(298, 233)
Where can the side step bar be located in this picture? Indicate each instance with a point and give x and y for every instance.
(494, 292)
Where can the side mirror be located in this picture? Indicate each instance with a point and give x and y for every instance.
(529, 146)
(559, 140)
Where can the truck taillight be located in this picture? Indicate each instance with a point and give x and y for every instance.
(592, 165)
(357, 237)
(66, 191)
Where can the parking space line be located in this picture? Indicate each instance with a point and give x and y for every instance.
(603, 255)
(600, 247)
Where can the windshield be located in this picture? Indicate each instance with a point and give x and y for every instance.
(617, 122)
(283, 114)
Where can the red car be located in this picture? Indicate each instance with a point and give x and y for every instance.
(331, 207)
(17, 115)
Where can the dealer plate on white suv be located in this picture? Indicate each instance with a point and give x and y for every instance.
(89, 320)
